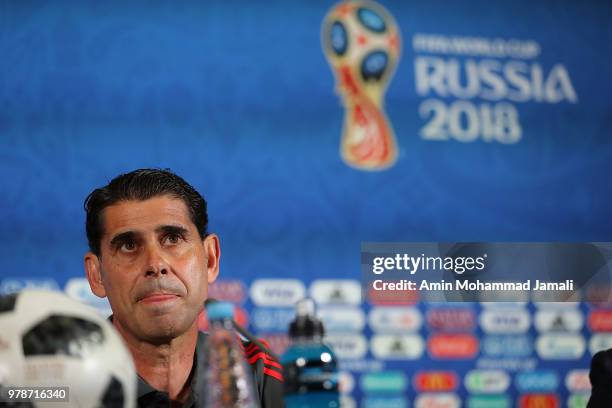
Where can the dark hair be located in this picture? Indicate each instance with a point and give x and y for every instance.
(141, 185)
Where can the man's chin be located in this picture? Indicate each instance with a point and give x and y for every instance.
(161, 331)
(162, 326)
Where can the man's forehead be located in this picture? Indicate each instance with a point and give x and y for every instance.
(146, 214)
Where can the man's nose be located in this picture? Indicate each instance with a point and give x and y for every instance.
(156, 263)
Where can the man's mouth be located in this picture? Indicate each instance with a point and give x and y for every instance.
(158, 297)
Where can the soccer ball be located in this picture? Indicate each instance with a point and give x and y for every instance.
(50, 340)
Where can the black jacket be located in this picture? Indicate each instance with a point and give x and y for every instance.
(267, 375)
(601, 380)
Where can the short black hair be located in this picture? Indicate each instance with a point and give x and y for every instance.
(140, 185)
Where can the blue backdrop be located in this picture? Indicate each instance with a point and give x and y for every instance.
(238, 98)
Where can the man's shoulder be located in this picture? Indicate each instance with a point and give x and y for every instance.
(268, 374)
(262, 363)
(260, 360)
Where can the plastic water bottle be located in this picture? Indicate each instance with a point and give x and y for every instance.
(309, 366)
(229, 380)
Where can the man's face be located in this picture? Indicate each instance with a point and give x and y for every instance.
(154, 267)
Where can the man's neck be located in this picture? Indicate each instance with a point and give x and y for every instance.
(165, 367)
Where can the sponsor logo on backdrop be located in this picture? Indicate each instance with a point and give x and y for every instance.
(272, 319)
(538, 401)
(346, 382)
(488, 401)
(578, 381)
(487, 381)
(227, 290)
(348, 346)
(437, 400)
(13, 285)
(511, 364)
(383, 402)
(473, 86)
(452, 346)
(78, 289)
(516, 297)
(447, 319)
(502, 306)
(537, 381)
(507, 346)
(547, 299)
(342, 318)
(397, 347)
(435, 381)
(363, 365)
(600, 342)
(565, 305)
(395, 319)
(386, 381)
(601, 295)
(347, 402)
(560, 346)
(277, 292)
(336, 292)
(558, 320)
(600, 321)
(578, 400)
(507, 321)
(392, 297)
(361, 41)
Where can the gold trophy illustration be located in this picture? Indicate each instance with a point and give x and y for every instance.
(362, 44)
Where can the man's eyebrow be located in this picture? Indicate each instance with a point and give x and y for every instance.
(172, 229)
(124, 236)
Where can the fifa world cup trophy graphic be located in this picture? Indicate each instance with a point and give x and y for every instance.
(362, 44)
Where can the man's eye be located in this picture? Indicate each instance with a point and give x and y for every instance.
(172, 239)
(129, 246)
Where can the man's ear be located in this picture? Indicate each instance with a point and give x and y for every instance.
(213, 252)
(94, 274)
